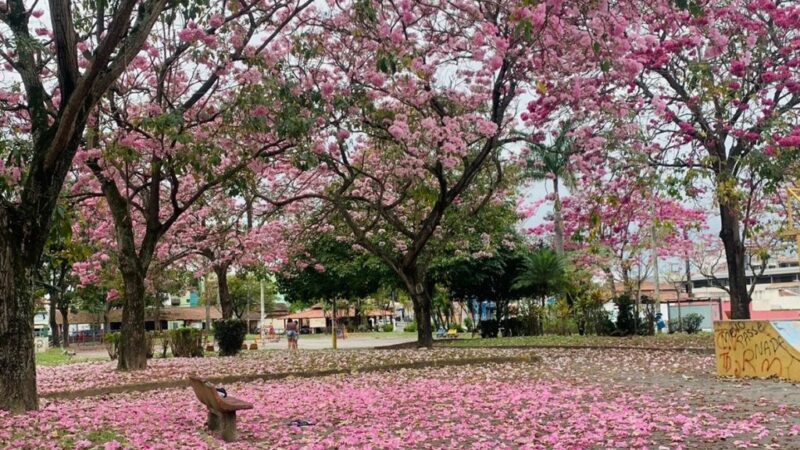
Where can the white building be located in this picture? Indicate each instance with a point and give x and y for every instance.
(776, 294)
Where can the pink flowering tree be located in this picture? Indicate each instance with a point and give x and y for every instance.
(610, 221)
(225, 232)
(716, 86)
(205, 101)
(429, 94)
(55, 69)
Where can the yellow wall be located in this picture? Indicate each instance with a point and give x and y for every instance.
(755, 349)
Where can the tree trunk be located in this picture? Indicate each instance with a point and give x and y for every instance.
(558, 221)
(64, 326)
(422, 314)
(610, 280)
(54, 334)
(627, 286)
(421, 299)
(17, 366)
(106, 320)
(224, 294)
(132, 348)
(54, 146)
(730, 233)
(689, 279)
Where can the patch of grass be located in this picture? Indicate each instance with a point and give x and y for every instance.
(387, 335)
(677, 340)
(99, 437)
(56, 357)
(68, 440)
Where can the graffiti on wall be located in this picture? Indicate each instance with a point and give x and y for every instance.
(756, 349)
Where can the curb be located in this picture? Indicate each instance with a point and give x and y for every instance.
(182, 383)
(700, 350)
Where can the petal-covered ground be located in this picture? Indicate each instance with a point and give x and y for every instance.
(703, 340)
(496, 406)
(94, 375)
(561, 362)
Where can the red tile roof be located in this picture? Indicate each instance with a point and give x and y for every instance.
(194, 313)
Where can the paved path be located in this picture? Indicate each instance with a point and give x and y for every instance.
(306, 342)
(318, 342)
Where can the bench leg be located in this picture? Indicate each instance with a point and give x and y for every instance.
(229, 426)
(213, 421)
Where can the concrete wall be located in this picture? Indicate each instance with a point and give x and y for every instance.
(758, 349)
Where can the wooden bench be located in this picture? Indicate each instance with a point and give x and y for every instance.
(452, 333)
(221, 410)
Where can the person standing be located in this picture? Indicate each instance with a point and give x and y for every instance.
(292, 332)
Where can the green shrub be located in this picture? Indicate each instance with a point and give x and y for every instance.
(411, 327)
(531, 317)
(468, 323)
(626, 320)
(186, 342)
(603, 326)
(112, 344)
(561, 326)
(512, 326)
(692, 323)
(489, 328)
(388, 328)
(230, 335)
(164, 337)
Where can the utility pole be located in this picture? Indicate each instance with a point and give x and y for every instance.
(261, 323)
(654, 249)
(208, 305)
(333, 325)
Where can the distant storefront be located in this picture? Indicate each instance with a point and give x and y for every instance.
(166, 317)
(316, 320)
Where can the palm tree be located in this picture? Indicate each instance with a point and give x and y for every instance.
(545, 274)
(552, 161)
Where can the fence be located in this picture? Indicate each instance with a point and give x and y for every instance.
(710, 309)
(86, 337)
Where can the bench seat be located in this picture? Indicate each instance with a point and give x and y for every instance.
(221, 410)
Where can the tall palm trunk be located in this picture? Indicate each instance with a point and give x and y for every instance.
(558, 221)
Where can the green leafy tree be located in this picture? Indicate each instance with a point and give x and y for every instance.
(336, 271)
(245, 294)
(489, 278)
